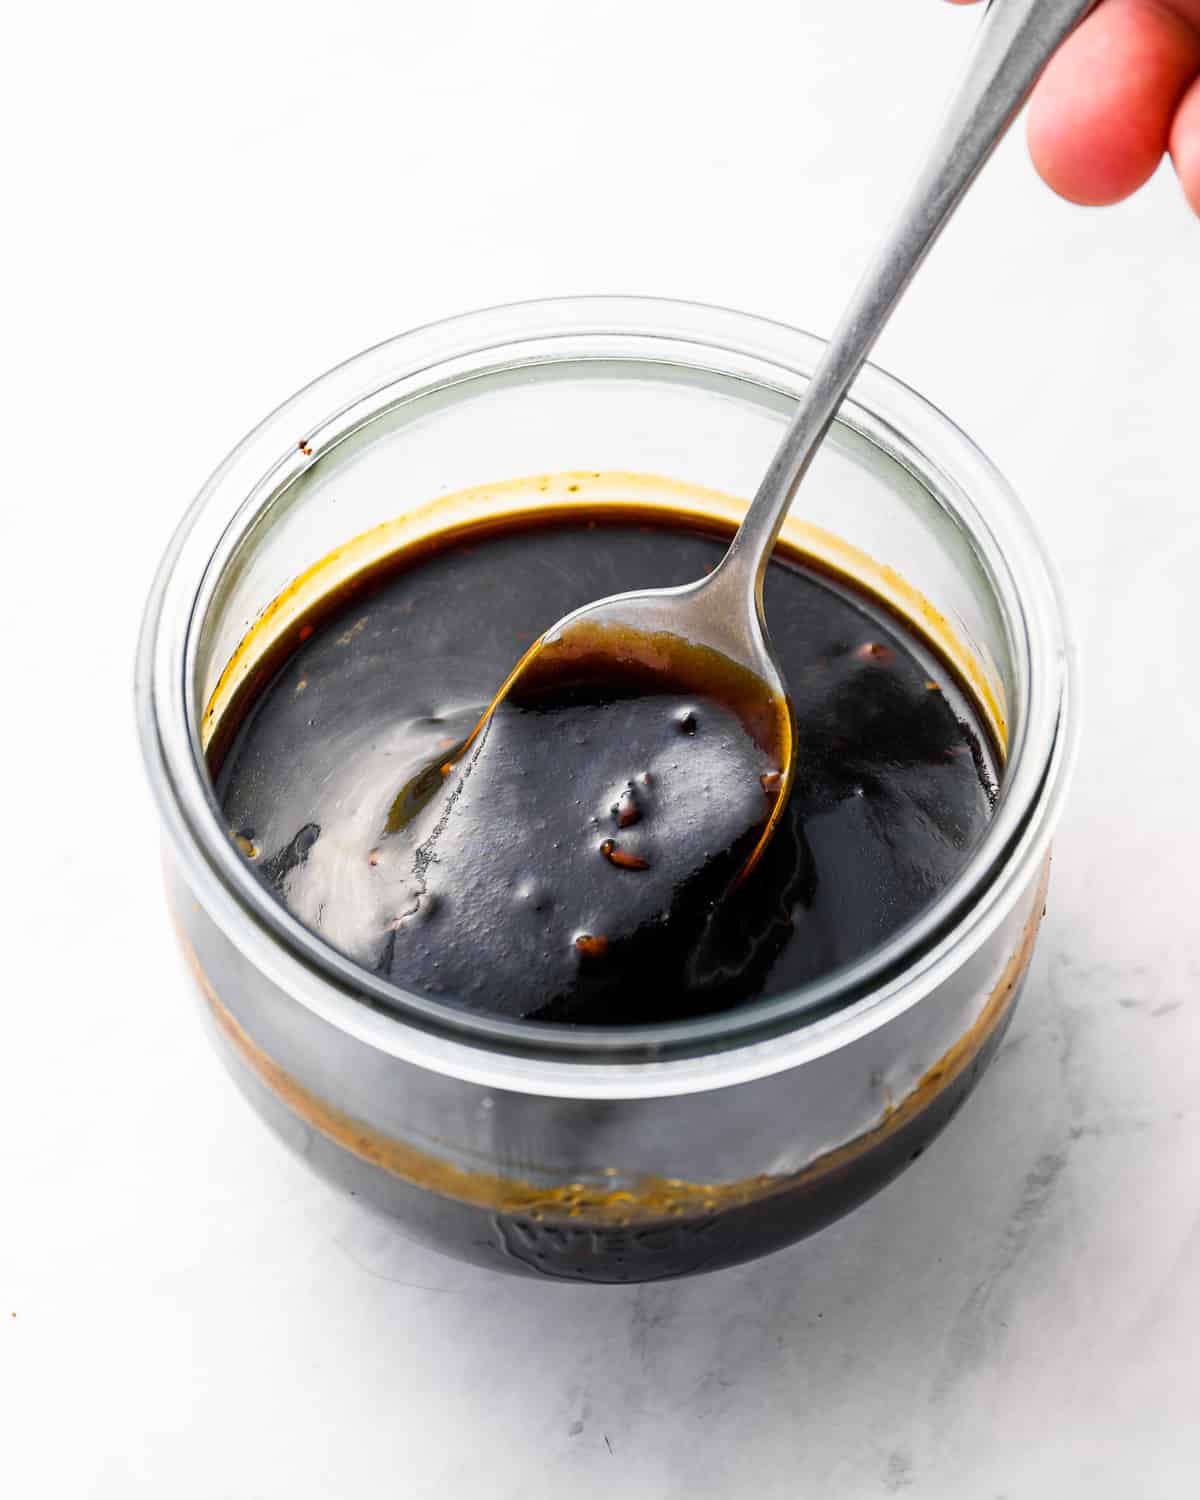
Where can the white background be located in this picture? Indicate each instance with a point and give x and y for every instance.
(207, 205)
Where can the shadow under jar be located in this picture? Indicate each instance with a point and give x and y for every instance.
(579, 1151)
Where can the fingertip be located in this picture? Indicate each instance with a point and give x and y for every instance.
(1185, 145)
(1084, 155)
(1100, 119)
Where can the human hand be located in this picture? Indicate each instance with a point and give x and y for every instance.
(1123, 89)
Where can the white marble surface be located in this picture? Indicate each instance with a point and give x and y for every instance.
(212, 204)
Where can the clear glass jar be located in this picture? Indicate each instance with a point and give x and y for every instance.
(580, 1152)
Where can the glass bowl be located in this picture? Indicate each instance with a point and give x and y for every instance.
(587, 1153)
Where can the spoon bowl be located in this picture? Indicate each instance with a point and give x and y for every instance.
(706, 638)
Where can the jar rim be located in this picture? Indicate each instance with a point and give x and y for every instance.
(751, 1040)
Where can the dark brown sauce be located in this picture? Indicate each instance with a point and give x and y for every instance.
(580, 862)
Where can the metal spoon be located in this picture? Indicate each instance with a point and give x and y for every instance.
(722, 614)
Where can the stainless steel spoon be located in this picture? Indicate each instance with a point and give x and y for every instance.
(723, 613)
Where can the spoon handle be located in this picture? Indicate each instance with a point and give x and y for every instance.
(1016, 39)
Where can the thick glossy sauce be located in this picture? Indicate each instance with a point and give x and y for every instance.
(578, 864)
